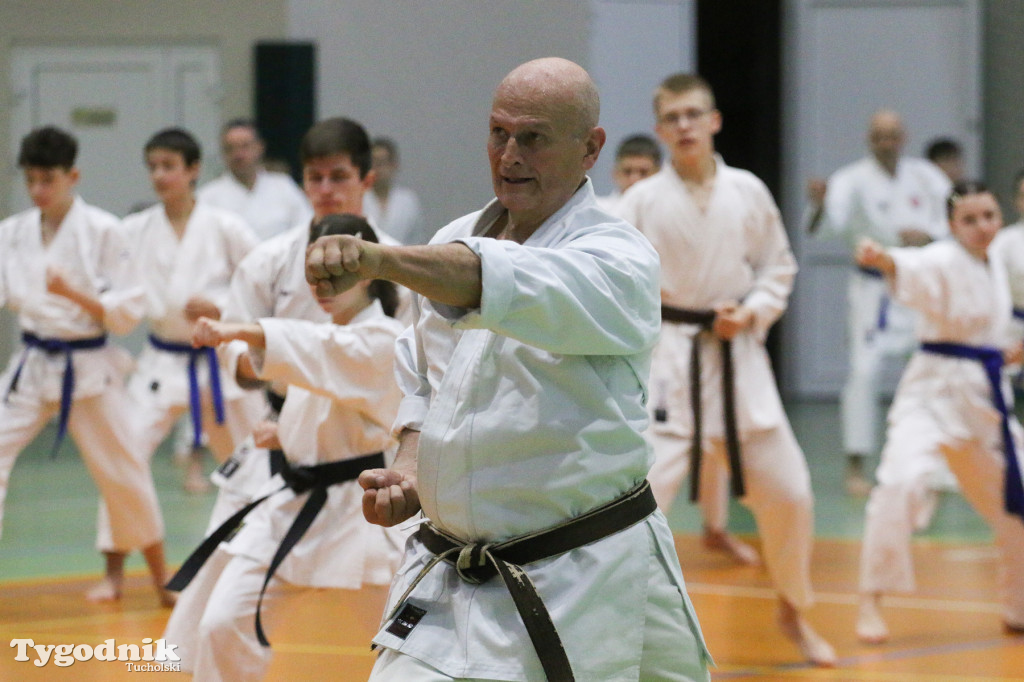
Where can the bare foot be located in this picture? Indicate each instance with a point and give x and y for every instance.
(871, 627)
(195, 480)
(857, 485)
(813, 646)
(723, 541)
(106, 590)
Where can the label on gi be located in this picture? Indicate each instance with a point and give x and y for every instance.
(406, 620)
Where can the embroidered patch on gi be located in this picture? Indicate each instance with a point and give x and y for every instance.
(406, 620)
(155, 386)
(229, 467)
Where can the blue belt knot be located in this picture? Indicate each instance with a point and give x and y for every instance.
(194, 399)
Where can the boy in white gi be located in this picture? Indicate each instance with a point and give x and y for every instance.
(524, 378)
(185, 253)
(897, 201)
(726, 275)
(951, 405)
(66, 271)
(335, 423)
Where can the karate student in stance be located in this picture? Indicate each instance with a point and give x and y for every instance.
(951, 405)
(271, 282)
(726, 275)
(66, 271)
(542, 554)
(897, 201)
(185, 253)
(336, 422)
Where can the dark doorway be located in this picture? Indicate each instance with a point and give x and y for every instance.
(739, 51)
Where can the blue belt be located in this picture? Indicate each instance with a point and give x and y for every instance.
(1018, 313)
(67, 386)
(883, 306)
(992, 360)
(193, 382)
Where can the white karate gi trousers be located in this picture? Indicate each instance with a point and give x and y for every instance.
(108, 445)
(778, 487)
(913, 453)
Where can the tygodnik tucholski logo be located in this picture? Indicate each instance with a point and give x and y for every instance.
(150, 656)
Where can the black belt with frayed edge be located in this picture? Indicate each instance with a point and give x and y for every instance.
(478, 562)
(704, 319)
(315, 479)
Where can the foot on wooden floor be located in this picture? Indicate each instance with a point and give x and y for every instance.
(723, 541)
(871, 627)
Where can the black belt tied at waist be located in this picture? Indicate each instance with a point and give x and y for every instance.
(277, 459)
(704, 319)
(67, 386)
(315, 479)
(478, 562)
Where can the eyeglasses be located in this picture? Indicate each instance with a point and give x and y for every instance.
(689, 115)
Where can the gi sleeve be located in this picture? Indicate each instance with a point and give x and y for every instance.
(411, 375)
(119, 290)
(772, 262)
(917, 283)
(351, 362)
(595, 294)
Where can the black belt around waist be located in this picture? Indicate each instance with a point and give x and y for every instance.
(478, 562)
(315, 479)
(704, 319)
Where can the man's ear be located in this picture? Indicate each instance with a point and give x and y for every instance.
(593, 145)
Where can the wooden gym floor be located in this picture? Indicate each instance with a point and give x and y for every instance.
(948, 630)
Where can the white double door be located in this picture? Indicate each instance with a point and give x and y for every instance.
(113, 99)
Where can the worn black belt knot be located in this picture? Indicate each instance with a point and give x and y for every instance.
(705, 319)
(316, 479)
(478, 562)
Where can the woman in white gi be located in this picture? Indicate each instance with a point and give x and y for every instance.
(947, 406)
(341, 401)
(185, 253)
(65, 270)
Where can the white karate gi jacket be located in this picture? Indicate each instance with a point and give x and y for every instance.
(90, 249)
(273, 205)
(342, 399)
(737, 250)
(403, 219)
(863, 200)
(172, 271)
(531, 411)
(961, 300)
